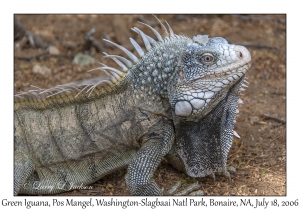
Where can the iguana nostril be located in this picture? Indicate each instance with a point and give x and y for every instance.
(241, 55)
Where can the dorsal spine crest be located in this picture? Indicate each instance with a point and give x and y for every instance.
(153, 67)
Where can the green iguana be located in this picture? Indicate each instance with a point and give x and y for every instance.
(178, 100)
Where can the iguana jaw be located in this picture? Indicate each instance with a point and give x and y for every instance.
(194, 103)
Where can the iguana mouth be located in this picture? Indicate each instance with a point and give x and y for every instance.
(215, 75)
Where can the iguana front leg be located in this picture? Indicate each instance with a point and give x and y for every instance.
(139, 177)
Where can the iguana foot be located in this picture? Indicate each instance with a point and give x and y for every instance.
(193, 189)
(227, 172)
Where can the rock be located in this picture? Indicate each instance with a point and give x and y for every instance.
(41, 70)
(83, 60)
(254, 119)
(53, 50)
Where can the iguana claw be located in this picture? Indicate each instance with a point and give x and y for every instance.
(193, 189)
(213, 176)
(227, 172)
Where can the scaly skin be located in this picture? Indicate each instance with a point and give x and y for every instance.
(158, 107)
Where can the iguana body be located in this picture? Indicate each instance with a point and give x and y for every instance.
(77, 133)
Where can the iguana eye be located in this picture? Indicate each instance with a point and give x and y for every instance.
(207, 58)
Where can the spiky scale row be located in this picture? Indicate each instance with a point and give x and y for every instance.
(124, 67)
(127, 52)
(145, 39)
(124, 60)
(154, 31)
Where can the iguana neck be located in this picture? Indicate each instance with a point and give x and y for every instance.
(153, 73)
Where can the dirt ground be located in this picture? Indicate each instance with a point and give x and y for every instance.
(259, 155)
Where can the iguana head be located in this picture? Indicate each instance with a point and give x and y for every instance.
(204, 94)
